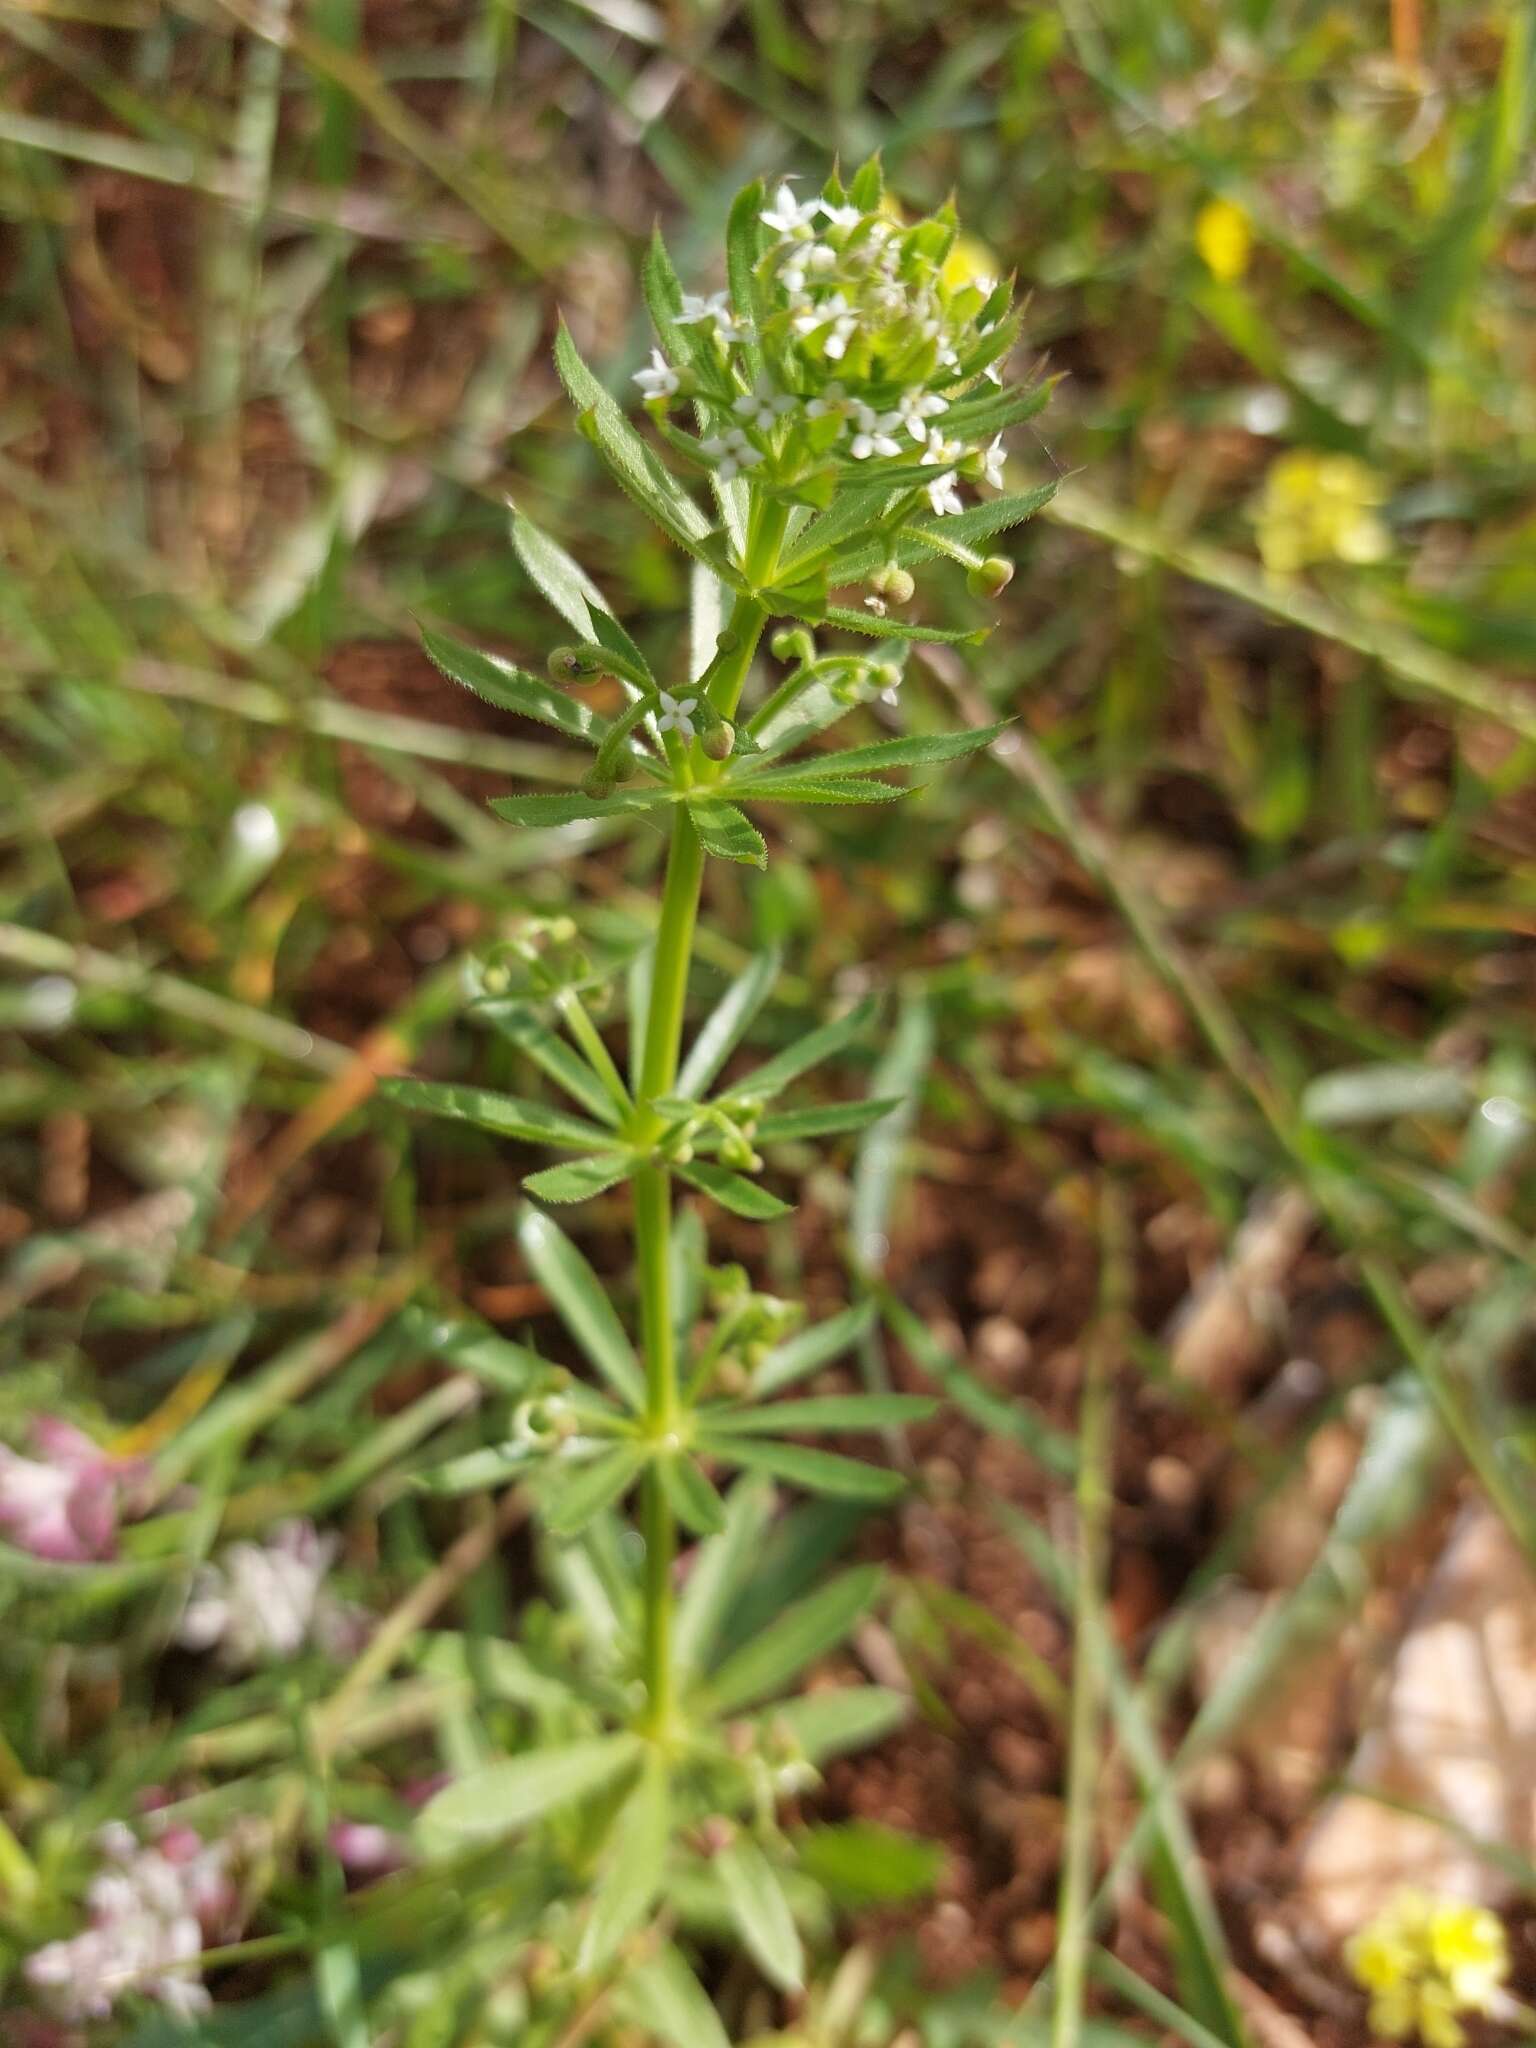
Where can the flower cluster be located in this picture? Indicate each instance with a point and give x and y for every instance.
(1320, 508)
(151, 1911)
(1424, 1961)
(262, 1601)
(862, 353)
(65, 1504)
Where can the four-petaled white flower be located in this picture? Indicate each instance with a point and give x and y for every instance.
(731, 453)
(832, 402)
(839, 216)
(916, 408)
(992, 460)
(658, 379)
(943, 495)
(804, 259)
(791, 219)
(942, 448)
(763, 407)
(717, 309)
(874, 436)
(677, 714)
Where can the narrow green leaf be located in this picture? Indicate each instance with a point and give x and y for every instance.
(806, 1052)
(474, 1347)
(509, 1116)
(633, 465)
(567, 809)
(796, 1638)
(1022, 1424)
(694, 1500)
(761, 1912)
(724, 832)
(499, 1798)
(821, 1412)
(570, 1495)
(733, 1191)
(579, 1179)
(510, 688)
(339, 1992)
(808, 1350)
(571, 591)
(782, 785)
(525, 1028)
(828, 1724)
(913, 750)
(860, 1863)
(582, 1302)
(901, 629)
(816, 1471)
(971, 419)
(721, 1568)
(664, 1999)
(637, 1859)
(830, 1120)
(744, 243)
(728, 1022)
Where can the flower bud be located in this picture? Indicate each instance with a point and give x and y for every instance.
(893, 583)
(566, 665)
(792, 643)
(719, 742)
(991, 577)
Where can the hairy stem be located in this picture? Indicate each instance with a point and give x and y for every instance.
(653, 1191)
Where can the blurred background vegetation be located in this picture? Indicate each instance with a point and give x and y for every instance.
(1213, 993)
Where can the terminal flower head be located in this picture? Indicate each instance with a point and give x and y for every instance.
(1425, 1961)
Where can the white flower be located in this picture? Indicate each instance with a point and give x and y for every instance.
(677, 715)
(943, 495)
(731, 453)
(659, 380)
(809, 315)
(874, 436)
(836, 344)
(803, 259)
(994, 374)
(791, 220)
(916, 407)
(717, 309)
(992, 460)
(763, 407)
(149, 1915)
(839, 216)
(941, 448)
(262, 1601)
(832, 403)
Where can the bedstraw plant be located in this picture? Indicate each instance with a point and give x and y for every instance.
(843, 402)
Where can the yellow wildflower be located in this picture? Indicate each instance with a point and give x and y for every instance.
(1318, 508)
(1424, 1961)
(1224, 237)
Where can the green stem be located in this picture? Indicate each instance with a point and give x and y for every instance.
(653, 1190)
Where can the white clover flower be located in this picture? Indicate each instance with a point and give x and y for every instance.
(874, 436)
(943, 494)
(677, 715)
(764, 406)
(731, 453)
(992, 460)
(659, 379)
(789, 218)
(916, 407)
(262, 1601)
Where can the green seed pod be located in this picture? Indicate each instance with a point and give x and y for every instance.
(893, 583)
(792, 643)
(594, 783)
(991, 577)
(720, 741)
(566, 665)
